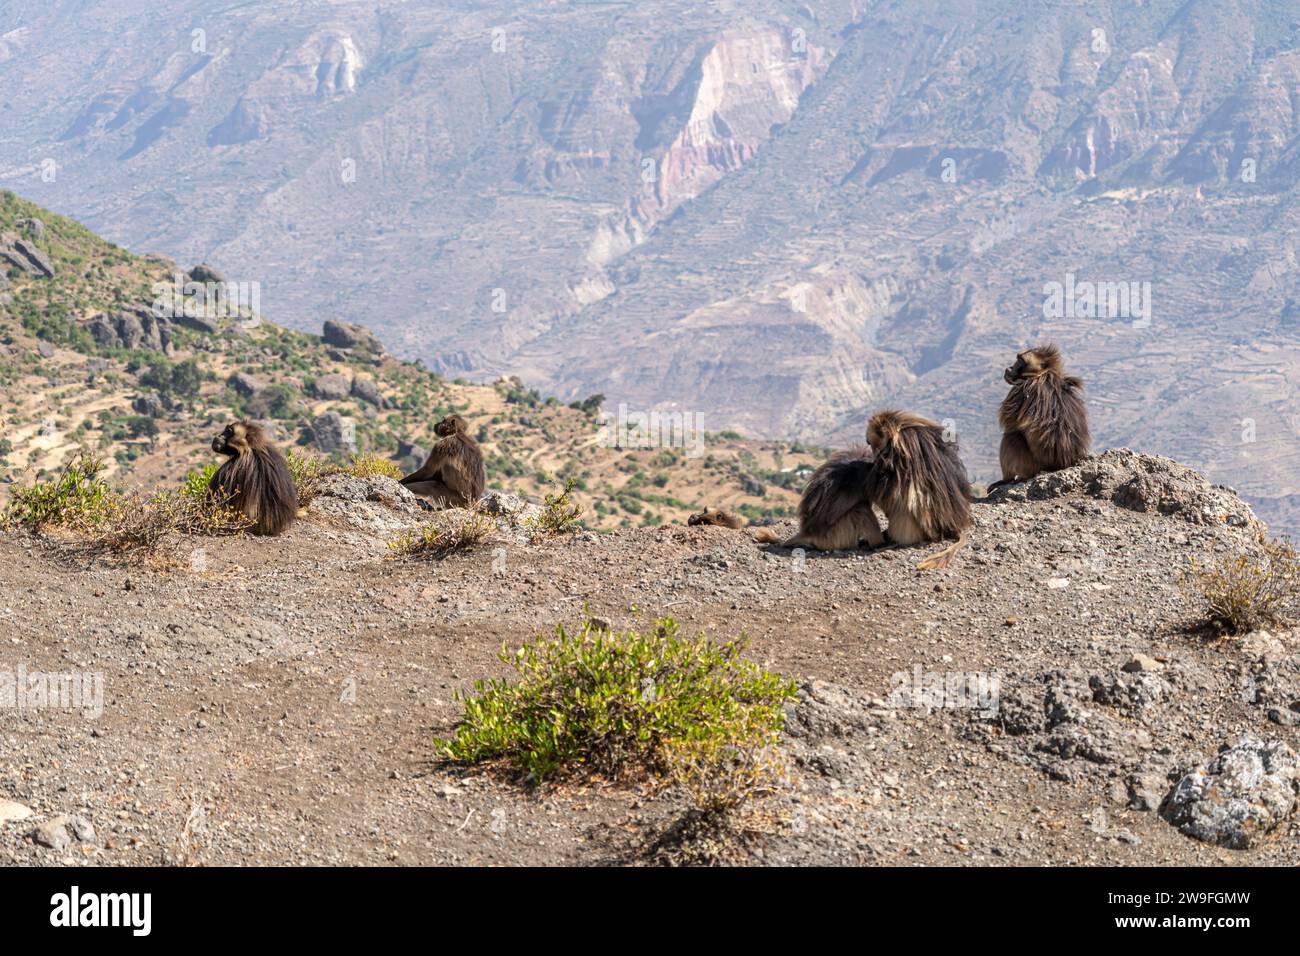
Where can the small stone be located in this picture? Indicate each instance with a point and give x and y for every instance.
(11, 810)
(1140, 663)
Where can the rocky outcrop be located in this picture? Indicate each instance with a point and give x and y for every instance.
(348, 335)
(134, 327)
(245, 385)
(1138, 482)
(1239, 796)
(26, 256)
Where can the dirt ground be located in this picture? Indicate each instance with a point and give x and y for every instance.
(273, 701)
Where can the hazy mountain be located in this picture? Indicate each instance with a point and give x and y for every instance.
(777, 215)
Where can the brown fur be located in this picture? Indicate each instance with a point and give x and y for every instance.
(834, 512)
(454, 473)
(721, 519)
(255, 478)
(919, 482)
(1044, 421)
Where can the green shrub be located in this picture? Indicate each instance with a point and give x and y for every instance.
(78, 498)
(617, 702)
(561, 514)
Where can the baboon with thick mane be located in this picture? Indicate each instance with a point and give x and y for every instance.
(918, 480)
(835, 512)
(1044, 421)
(254, 479)
(454, 473)
(719, 519)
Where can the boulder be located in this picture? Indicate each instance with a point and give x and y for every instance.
(134, 327)
(150, 404)
(377, 504)
(1245, 792)
(330, 433)
(245, 384)
(331, 387)
(205, 273)
(367, 391)
(26, 256)
(347, 335)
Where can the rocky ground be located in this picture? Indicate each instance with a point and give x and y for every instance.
(273, 701)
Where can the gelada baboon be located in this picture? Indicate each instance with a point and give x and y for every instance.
(835, 513)
(919, 482)
(1044, 421)
(454, 473)
(720, 519)
(255, 478)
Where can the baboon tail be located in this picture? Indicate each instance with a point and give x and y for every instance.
(943, 558)
(766, 536)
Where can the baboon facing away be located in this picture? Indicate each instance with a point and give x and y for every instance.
(254, 479)
(454, 472)
(835, 513)
(919, 482)
(1044, 421)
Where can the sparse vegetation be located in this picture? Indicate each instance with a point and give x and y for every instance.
(560, 515)
(451, 531)
(78, 499)
(1250, 590)
(624, 703)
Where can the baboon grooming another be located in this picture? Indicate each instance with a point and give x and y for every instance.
(255, 478)
(454, 472)
(721, 519)
(919, 482)
(1044, 421)
(835, 513)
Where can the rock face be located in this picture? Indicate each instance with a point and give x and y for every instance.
(1146, 483)
(135, 327)
(26, 256)
(1246, 791)
(205, 273)
(346, 335)
(34, 228)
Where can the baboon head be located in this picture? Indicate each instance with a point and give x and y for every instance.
(1033, 363)
(451, 425)
(707, 516)
(237, 439)
(885, 428)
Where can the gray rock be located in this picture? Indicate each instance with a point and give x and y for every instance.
(133, 327)
(1138, 482)
(26, 256)
(331, 386)
(330, 433)
(366, 390)
(57, 833)
(1246, 791)
(245, 384)
(198, 322)
(205, 273)
(377, 504)
(149, 404)
(45, 349)
(347, 335)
